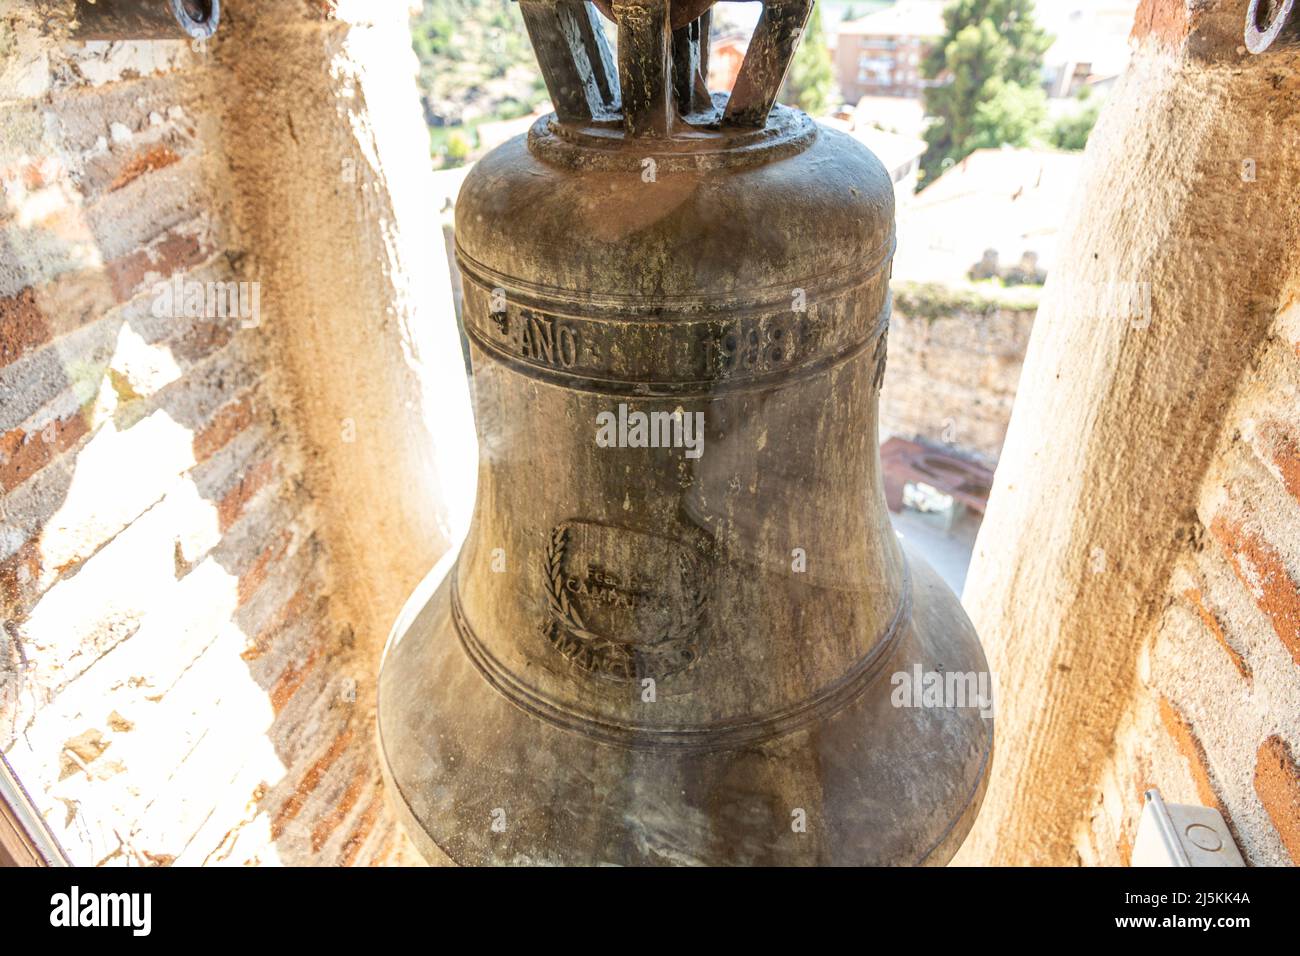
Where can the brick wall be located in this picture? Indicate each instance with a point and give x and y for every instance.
(1134, 578)
(1216, 717)
(178, 681)
(952, 372)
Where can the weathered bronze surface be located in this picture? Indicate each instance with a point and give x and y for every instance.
(680, 649)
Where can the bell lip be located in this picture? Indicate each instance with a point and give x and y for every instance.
(938, 852)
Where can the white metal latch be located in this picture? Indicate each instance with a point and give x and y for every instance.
(1182, 835)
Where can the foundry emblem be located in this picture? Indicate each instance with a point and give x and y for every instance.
(622, 605)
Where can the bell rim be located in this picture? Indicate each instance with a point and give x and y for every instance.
(435, 835)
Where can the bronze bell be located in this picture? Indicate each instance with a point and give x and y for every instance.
(679, 626)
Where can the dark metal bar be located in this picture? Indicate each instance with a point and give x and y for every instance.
(574, 58)
(592, 36)
(146, 19)
(644, 59)
(771, 49)
(691, 65)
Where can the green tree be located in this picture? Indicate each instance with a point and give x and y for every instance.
(457, 150)
(988, 89)
(1072, 131)
(810, 84)
(474, 55)
(1011, 115)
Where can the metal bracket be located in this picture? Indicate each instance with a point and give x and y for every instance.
(1269, 23)
(663, 60)
(574, 58)
(146, 19)
(25, 838)
(766, 63)
(1182, 835)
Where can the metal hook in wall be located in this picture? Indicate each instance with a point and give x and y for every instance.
(146, 19)
(1269, 23)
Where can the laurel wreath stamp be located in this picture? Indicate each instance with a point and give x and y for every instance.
(625, 658)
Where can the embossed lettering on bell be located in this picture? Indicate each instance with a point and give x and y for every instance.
(647, 656)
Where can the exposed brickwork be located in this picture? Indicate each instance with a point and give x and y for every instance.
(16, 573)
(1262, 571)
(1215, 627)
(310, 780)
(1163, 20)
(176, 685)
(173, 252)
(255, 576)
(293, 609)
(23, 454)
(1191, 747)
(1223, 667)
(333, 819)
(153, 158)
(364, 825)
(293, 677)
(1282, 450)
(1277, 782)
(1171, 447)
(232, 505)
(225, 425)
(21, 325)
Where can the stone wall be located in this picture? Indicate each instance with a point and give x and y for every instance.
(208, 521)
(1135, 580)
(954, 363)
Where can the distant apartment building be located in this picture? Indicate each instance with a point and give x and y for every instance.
(881, 54)
(725, 56)
(1090, 43)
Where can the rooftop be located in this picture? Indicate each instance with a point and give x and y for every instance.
(1011, 200)
(894, 150)
(898, 114)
